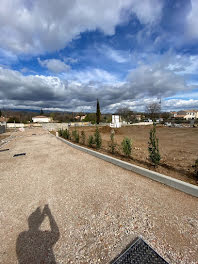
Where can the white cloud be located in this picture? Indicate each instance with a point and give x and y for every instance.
(54, 65)
(174, 104)
(39, 26)
(192, 20)
(91, 75)
(156, 80)
(147, 11)
(81, 89)
(118, 56)
(70, 60)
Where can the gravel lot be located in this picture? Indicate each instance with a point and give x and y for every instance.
(95, 209)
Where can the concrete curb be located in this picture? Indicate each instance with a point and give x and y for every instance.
(174, 183)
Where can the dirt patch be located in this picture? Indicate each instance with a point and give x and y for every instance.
(3, 136)
(97, 208)
(178, 148)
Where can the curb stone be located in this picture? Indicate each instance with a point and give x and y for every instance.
(169, 181)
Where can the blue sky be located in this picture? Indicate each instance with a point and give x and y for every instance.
(63, 55)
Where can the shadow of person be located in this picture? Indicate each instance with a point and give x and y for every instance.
(36, 246)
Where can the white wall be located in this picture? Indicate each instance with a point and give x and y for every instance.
(15, 125)
(115, 121)
(191, 115)
(41, 120)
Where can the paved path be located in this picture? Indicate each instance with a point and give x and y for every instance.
(94, 208)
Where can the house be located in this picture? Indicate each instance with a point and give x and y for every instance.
(41, 119)
(187, 114)
(138, 117)
(80, 117)
(191, 114)
(173, 114)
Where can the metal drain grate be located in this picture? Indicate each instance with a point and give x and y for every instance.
(20, 154)
(1, 150)
(139, 253)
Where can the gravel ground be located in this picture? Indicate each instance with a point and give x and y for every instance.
(94, 211)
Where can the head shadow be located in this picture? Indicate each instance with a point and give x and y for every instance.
(34, 245)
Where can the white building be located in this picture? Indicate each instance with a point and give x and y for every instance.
(116, 121)
(187, 114)
(41, 119)
(191, 114)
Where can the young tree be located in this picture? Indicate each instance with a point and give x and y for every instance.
(153, 147)
(90, 141)
(75, 136)
(0, 113)
(83, 137)
(98, 113)
(98, 139)
(127, 146)
(112, 144)
(196, 167)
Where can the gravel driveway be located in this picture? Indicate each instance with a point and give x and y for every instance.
(60, 204)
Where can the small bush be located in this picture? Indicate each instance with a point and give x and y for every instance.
(153, 147)
(112, 144)
(65, 134)
(126, 146)
(90, 141)
(196, 167)
(98, 139)
(83, 137)
(75, 136)
(60, 132)
(68, 135)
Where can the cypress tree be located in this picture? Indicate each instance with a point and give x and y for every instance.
(153, 147)
(98, 114)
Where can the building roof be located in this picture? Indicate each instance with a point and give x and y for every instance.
(180, 116)
(192, 111)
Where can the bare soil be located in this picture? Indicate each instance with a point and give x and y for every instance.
(178, 148)
(95, 209)
(4, 138)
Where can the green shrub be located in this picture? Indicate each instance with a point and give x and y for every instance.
(153, 147)
(60, 132)
(126, 146)
(83, 137)
(75, 136)
(98, 139)
(196, 167)
(65, 134)
(68, 135)
(90, 141)
(112, 144)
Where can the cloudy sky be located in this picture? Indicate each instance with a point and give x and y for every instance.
(64, 54)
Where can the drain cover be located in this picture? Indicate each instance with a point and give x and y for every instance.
(20, 154)
(1, 150)
(139, 253)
